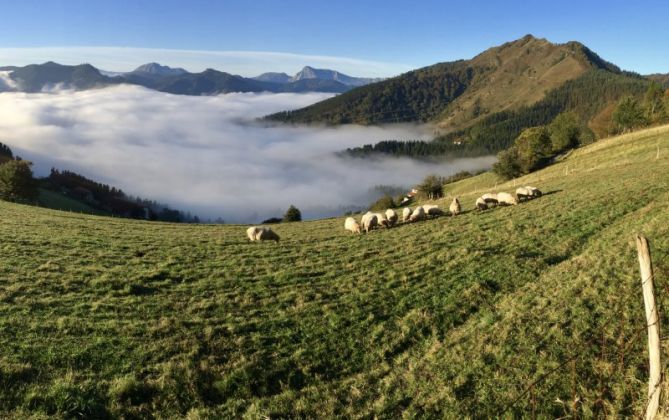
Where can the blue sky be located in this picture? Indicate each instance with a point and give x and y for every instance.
(376, 38)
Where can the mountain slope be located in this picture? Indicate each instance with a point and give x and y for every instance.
(326, 74)
(530, 309)
(457, 94)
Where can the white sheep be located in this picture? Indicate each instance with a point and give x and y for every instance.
(506, 199)
(352, 225)
(391, 215)
(406, 214)
(481, 204)
(432, 210)
(382, 220)
(535, 191)
(417, 214)
(455, 207)
(369, 221)
(255, 233)
(523, 193)
(490, 198)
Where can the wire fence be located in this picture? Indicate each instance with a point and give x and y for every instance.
(627, 348)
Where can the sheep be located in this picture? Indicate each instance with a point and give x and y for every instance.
(455, 207)
(481, 204)
(406, 214)
(535, 191)
(418, 214)
(490, 198)
(523, 193)
(369, 221)
(382, 220)
(352, 225)
(432, 210)
(255, 233)
(391, 215)
(506, 199)
(252, 232)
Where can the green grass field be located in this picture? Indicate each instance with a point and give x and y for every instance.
(535, 308)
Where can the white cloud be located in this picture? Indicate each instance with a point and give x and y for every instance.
(245, 63)
(208, 154)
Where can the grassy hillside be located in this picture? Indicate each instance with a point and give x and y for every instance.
(533, 308)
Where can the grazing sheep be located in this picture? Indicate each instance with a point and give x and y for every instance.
(392, 217)
(418, 214)
(481, 204)
(432, 210)
(506, 199)
(369, 221)
(352, 225)
(535, 191)
(490, 198)
(455, 207)
(523, 193)
(382, 220)
(255, 233)
(406, 214)
(252, 232)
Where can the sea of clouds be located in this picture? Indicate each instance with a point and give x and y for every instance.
(209, 155)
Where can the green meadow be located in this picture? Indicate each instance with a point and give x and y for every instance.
(534, 309)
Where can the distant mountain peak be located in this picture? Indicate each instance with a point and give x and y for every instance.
(158, 69)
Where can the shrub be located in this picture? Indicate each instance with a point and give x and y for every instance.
(293, 214)
(272, 220)
(507, 163)
(628, 115)
(17, 182)
(431, 187)
(383, 203)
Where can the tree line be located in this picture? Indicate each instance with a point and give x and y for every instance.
(18, 184)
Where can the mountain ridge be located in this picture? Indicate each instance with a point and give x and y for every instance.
(50, 75)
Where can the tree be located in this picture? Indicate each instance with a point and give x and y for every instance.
(654, 104)
(17, 182)
(565, 130)
(533, 146)
(628, 115)
(431, 187)
(507, 163)
(292, 214)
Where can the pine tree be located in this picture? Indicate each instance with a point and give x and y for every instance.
(293, 214)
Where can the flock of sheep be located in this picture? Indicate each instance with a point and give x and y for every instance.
(390, 218)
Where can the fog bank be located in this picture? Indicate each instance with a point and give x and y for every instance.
(208, 155)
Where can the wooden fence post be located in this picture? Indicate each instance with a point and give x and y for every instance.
(652, 321)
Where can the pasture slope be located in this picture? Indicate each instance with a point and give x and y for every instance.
(535, 308)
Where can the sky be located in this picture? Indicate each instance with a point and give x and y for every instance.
(361, 37)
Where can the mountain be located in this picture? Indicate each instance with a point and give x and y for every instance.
(40, 77)
(662, 79)
(456, 94)
(160, 70)
(324, 74)
(273, 77)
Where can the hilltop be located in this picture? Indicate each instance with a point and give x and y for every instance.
(456, 94)
(534, 308)
(483, 103)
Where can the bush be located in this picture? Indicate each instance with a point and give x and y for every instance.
(17, 182)
(272, 220)
(383, 203)
(534, 149)
(431, 187)
(507, 163)
(292, 215)
(564, 132)
(628, 115)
